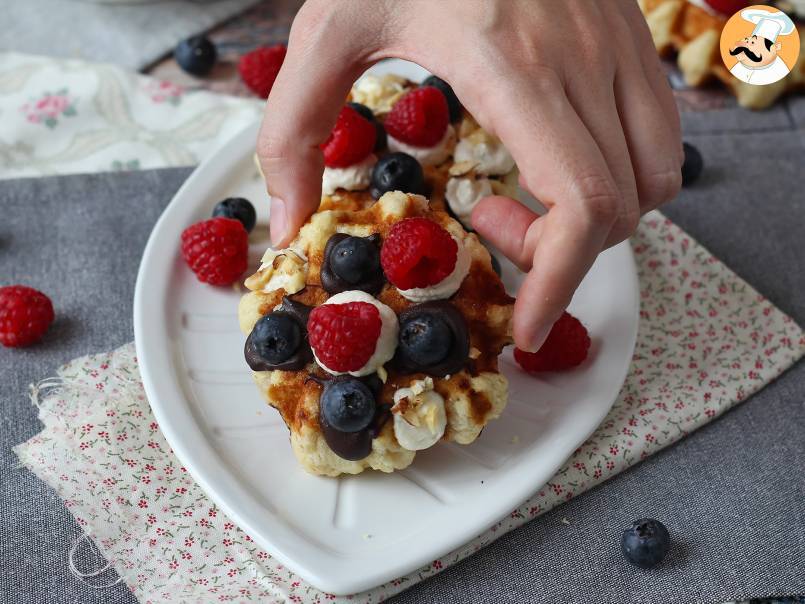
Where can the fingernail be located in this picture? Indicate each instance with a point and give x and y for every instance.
(539, 338)
(279, 221)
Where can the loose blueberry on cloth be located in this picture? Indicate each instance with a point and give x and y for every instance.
(707, 341)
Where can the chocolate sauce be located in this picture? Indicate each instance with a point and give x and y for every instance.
(302, 355)
(459, 351)
(334, 284)
(354, 446)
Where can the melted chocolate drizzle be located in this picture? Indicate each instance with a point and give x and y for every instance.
(459, 352)
(302, 356)
(333, 284)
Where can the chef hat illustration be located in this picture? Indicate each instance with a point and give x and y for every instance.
(768, 25)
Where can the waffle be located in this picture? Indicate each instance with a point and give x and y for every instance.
(472, 396)
(694, 34)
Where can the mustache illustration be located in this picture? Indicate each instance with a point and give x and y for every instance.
(743, 49)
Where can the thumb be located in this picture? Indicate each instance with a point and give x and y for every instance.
(301, 110)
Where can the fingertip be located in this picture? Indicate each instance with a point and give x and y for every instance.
(533, 319)
(505, 223)
(278, 222)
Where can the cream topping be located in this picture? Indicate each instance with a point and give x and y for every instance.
(352, 178)
(379, 93)
(488, 154)
(280, 269)
(427, 156)
(419, 415)
(463, 194)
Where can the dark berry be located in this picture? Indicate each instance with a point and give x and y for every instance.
(347, 404)
(433, 339)
(693, 165)
(355, 259)
(425, 340)
(275, 338)
(238, 208)
(397, 172)
(352, 263)
(381, 140)
(363, 110)
(196, 55)
(453, 104)
(645, 543)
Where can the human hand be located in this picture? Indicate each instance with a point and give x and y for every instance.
(573, 88)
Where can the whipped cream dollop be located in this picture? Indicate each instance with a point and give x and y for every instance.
(386, 341)
(419, 415)
(447, 286)
(486, 152)
(352, 178)
(280, 269)
(427, 156)
(464, 193)
(379, 93)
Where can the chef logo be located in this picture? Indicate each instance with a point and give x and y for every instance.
(759, 45)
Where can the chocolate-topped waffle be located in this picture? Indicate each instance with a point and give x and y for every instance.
(376, 332)
(472, 390)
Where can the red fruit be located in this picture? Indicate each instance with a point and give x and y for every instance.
(419, 118)
(728, 7)
(216, 250)
(259, 68)
(352, 139)
(25, 315)
(567, 346)
(418, 253)
(344, 336)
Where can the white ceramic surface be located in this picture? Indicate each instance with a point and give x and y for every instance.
(349, 534)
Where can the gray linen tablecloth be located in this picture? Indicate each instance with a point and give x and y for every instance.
(131, 34)
(733, 494)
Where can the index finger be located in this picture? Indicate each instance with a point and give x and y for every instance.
(564, 168)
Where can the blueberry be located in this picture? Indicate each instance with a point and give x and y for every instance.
(693, 165)
(274, 339)
(354, 259)
(196, 55)
(347, 404)
(237, 208)
(381, 140)
(453, 104)
(363, 110)
(645, 543)
(425, 340)
(397, 172)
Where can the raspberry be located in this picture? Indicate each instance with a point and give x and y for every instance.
(344, 336)
(25, 315)
(259, 68)
(419, 118)
(418, 253)
(566, 346)
(352, 139)
(216, 250)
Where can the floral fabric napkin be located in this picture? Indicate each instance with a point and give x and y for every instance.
(69, 116)
(707, 341)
